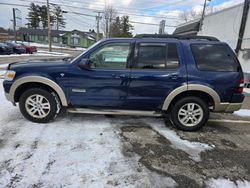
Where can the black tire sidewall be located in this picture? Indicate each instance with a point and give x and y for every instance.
(176, 107)
(48, 96)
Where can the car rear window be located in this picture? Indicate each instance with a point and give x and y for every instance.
(214, 57)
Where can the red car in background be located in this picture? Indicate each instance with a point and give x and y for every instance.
(29, 49)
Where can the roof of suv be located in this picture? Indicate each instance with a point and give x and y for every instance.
(164, 38)
(178, 37)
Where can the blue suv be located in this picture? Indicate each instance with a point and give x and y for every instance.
(152, 75)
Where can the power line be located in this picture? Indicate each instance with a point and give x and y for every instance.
(14, 4)
(122, 7)
(151, 24)
(77, 13)
(98, 10)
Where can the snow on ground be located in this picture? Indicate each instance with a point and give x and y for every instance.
(225, 183)
(247, 90)
(39, 53)
(243, 112)
(2, 74)
(81, 151)
(53, 46)
(193, 149)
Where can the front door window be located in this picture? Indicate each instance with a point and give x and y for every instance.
(111, 56)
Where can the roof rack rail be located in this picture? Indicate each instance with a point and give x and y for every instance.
(180, 37)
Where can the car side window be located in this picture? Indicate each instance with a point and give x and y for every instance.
(111, 56)
(213, 57)
(157, 56)
(172, 56)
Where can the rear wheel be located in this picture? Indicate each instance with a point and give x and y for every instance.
(190, 113)
(38, 105)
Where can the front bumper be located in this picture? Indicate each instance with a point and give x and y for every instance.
(9, 97)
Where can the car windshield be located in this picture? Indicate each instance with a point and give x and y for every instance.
(89, 48)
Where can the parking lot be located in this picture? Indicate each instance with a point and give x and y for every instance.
(43, 53)
(122, 151)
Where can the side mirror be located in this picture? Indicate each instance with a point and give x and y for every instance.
(85, 64)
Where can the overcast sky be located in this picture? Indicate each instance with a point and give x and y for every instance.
(153, 11)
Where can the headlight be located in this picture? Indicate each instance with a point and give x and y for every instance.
(9, 75)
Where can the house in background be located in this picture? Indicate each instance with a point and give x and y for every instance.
(73, 38)
(6, 34)
(77, 38)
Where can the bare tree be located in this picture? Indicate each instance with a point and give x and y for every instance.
(184, 16)
(109, 16)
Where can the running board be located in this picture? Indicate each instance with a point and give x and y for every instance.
(113, 112)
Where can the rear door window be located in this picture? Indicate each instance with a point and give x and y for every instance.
(157, 56)
(214, 57)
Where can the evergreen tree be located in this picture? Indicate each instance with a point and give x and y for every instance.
(33, 16)
(121, 27)
(58, 18)
(44, 17)
(115, 29)
(126, 27)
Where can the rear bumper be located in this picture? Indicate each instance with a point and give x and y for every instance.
(228, 107)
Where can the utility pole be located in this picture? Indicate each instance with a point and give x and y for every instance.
(203, 14)
(98, 18)
(107, 24)
(162, 27)
(14, 22)
(49, 27)
(242, 26)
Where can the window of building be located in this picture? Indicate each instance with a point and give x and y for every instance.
(216, 57)
(55, 39)
(41, 38)
(75, 39)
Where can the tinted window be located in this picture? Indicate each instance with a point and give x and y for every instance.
(172, 56)
(112, 56)
(157, 56)
(214, 58)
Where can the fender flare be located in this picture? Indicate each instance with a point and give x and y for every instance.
(192, 87)
(39, 79)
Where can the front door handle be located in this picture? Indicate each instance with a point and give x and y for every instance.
(119, 76)
(174, 76)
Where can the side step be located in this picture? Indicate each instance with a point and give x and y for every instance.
(113, 112)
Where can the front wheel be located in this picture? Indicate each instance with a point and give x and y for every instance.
(38, 105)
(190, 113)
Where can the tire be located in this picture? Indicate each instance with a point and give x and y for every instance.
(189, 113)
(38, 105)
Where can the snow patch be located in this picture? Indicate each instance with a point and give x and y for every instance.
(225, 183)
(47, 46)
(243, 113)
(193, 149)
(39, 53)
(247, 90)
(2, 74)
(72, 151)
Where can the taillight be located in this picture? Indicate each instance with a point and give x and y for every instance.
(18, 47)
(241, 86)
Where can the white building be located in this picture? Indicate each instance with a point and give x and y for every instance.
(225, 25)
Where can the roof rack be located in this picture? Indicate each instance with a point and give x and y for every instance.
(180, 37)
